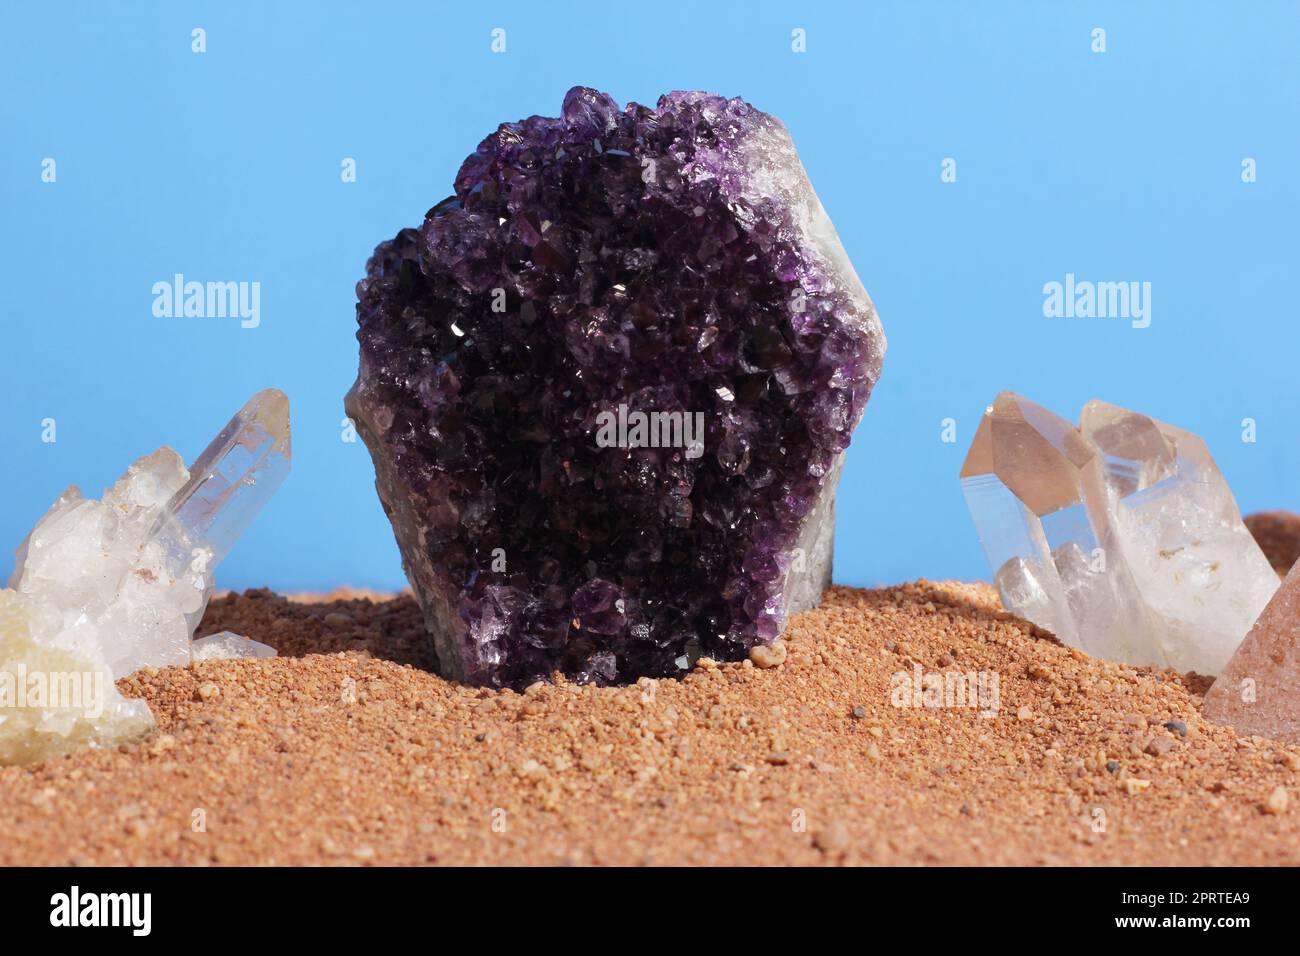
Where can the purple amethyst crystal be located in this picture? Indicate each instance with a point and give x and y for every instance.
(607, 386)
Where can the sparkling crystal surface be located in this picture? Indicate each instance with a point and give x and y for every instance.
(1120, 536)
(666, 259)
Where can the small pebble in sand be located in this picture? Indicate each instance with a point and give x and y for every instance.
(1159, 746)
(832, 838)
(338, 621)
(1276, 802)
(768, 655)
(1178, 727)
(161, 744)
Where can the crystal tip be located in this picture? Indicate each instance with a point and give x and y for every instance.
(270, 407)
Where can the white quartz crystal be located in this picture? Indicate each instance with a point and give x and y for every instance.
(229, 646)
(1119, 536)
(1202, 576)
(55, 696)
(103, 588)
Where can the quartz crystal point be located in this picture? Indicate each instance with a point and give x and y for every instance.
(671, 264)
(102, 588)
(1202, 576)
(1259, 691)
(1119, 536)
(236, 474)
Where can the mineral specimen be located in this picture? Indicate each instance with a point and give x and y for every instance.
(56, 697)
(1259, 691)
(229, 646)
(102, 588)
(1121, 536)
(652, 268)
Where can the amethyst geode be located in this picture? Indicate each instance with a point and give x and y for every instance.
(611, 267)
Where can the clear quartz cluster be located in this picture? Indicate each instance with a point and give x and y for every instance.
(102, 588)
(666, 260)
(1119, 536)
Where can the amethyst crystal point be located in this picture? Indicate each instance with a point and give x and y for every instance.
(607, 386)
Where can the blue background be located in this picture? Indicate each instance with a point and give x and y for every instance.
(226, 166)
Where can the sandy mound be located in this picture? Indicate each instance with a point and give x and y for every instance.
(353, 754)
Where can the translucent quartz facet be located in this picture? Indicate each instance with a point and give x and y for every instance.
(1201, 574)
(1120, 536)
(117, 584)
(1259, 691)
(1027, 480)
(663, 260)
(229, 646)
(236, 474)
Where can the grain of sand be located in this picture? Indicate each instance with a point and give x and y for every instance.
(345, 750)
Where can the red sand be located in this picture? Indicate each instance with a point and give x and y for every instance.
(347, 751)
(352, 754)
